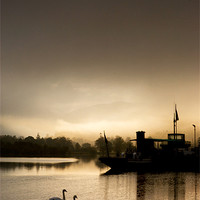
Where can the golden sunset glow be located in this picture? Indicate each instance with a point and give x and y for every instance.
(76, 69)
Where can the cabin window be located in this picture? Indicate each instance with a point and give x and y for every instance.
(177, 136)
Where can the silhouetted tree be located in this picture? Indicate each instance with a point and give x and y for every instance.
(119, 145)
(30, 139)
(100, 145)
(77, 147)
(86, 147)
(38, 137)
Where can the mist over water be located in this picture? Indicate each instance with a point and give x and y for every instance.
(35, 179)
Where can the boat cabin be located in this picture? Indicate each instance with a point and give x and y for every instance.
(146, 146)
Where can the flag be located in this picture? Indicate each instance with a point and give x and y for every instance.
(176, 118)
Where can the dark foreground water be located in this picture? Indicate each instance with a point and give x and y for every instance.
(42, 178)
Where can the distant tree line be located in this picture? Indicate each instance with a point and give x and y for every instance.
(60, 146)
(42, 147)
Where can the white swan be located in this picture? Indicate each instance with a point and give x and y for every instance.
(74, 197)
(57, 198)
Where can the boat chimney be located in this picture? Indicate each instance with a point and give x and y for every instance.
(140, 141)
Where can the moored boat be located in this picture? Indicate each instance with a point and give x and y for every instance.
(173, 154)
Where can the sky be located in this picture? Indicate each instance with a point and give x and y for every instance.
(75, 68)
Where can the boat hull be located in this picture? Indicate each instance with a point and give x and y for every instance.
(127, 164)
(158, 164)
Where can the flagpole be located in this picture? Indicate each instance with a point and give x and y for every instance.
(176, 118)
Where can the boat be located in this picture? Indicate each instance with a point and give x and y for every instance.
(173, 154)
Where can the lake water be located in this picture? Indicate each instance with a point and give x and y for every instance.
(42, 178)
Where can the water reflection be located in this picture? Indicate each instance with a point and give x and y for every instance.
(173, 185)
(169, 186)
(118, 186)
(6, 166)
(141, 183)
(84, 177)
(12, 164)
(50, 166)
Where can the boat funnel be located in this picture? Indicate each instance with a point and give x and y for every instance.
(140, 141)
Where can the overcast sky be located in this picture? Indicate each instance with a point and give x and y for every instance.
(78, 67)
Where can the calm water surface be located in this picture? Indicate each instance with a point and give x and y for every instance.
(42, 178)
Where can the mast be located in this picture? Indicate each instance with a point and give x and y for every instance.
(106, 141)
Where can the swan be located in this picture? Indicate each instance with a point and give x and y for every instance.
(75, 197)
(57, 198)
